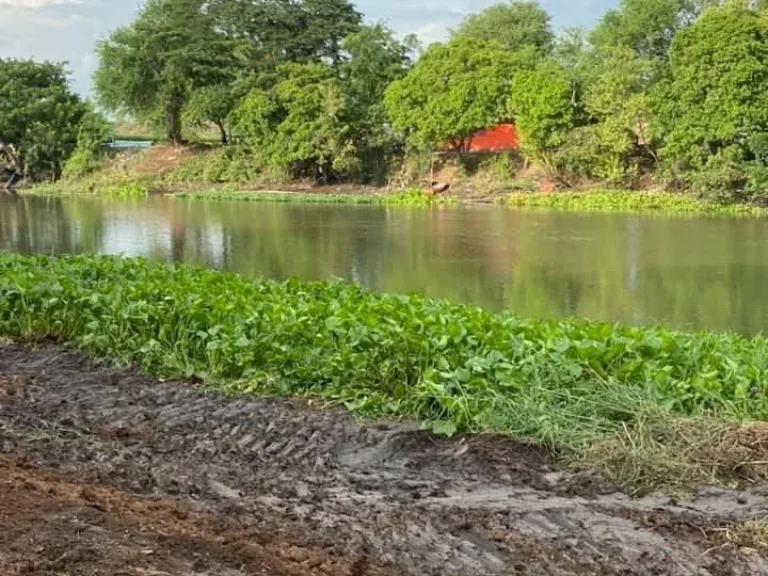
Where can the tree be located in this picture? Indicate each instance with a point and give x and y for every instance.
(298, 125)
(713, 104)
(39, 117)
(542, 103)
(149, 68)
(619, 103)
(645, 26)
(516, 25)
(453, 91)
(372, 59)
(214, 105)
(279, 31)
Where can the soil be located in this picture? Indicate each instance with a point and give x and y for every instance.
(107, 472)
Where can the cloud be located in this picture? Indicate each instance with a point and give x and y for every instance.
(37, 3)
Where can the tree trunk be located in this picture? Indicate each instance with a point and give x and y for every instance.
(173, 118)
(173, 127)
(223, 130)
(9, 151)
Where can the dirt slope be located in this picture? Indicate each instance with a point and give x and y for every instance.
(111, 473)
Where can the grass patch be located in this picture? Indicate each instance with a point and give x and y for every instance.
(127, 189)
(652, 407)
(659, 449)
(752, 534)
(412, 197)
(627, 201)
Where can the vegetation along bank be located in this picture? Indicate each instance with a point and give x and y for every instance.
(649, 406)
(660, 94)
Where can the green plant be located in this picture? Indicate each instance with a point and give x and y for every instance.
(722, 177)
(570, 385)
(710, 101)
(93, 132)
(231, 164)
(516, 25)
(410, 197)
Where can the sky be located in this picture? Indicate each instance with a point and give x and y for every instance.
(67, 30)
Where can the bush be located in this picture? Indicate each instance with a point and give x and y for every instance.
(722, 178)
(231, 164)
(93, 132)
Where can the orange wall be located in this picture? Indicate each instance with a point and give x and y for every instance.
(501, 137)
(496, 139)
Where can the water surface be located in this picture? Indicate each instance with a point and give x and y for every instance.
(684, 272)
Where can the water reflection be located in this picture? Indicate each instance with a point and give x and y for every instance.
(685, 272)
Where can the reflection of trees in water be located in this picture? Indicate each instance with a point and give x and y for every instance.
(50, 225)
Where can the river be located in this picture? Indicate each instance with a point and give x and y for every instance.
(680, 271)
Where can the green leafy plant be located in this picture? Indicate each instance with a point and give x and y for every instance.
(564, 384)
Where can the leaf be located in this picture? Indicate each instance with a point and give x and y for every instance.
(444, 428)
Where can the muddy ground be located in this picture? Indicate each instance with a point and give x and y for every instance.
(107, 472)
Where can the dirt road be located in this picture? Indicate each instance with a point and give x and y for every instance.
(112, 473)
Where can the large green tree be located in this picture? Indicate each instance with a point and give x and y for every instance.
(150, 68)
(518, 24)
(712, 108)
(454, 90)
(212, 105)
(39, 117)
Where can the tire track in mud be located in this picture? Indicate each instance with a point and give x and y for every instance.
(259, 485)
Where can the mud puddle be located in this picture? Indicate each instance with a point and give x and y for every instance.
(108, 472)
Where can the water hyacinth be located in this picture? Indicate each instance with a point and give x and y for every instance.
(454, 368)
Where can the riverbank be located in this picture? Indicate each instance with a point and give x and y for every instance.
(648, 407)
(618, 201)
(598, 200)
(186, 173)
(107, 471)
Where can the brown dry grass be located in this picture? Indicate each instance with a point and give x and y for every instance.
(682, 453)
(752, 534)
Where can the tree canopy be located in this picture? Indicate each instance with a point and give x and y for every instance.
(518, 24)
(298, 124)
(672, 89)
(39, 116)
(150, 68)
(288, 31)
(712, 106)
(645, 26)
(543, 105)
